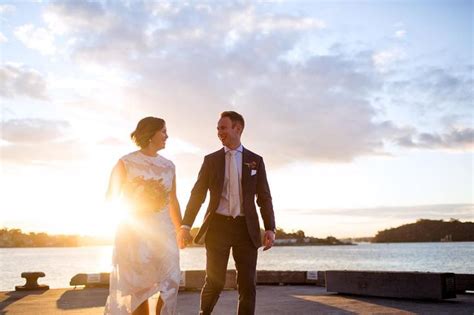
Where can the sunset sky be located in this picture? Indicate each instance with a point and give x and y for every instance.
(362, 110)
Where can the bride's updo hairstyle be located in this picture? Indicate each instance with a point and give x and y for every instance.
(146, 129)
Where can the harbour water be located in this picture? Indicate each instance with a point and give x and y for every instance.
(60, 264)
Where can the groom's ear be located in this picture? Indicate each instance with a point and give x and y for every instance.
(239, 127)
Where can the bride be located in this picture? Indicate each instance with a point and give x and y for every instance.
(146, 257)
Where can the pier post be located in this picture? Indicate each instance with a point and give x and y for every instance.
(32, 282)
(394, 284)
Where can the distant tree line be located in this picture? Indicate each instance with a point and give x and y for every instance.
(293, 238)
(425, 230)
(16, 238)
(281, 234)
(302, 239)
(365, 239)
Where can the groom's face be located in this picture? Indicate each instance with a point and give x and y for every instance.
(228, 134)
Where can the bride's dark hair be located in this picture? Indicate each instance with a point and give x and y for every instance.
(146, 129)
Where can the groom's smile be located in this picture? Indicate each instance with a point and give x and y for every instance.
(229, 133)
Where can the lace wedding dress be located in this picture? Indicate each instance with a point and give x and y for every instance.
(146, 257)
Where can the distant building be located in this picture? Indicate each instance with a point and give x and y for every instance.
(447, 238)
(285, 241)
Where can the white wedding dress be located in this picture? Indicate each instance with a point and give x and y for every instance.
(146, 257)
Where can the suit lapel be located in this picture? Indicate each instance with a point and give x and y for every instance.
(246, 158)
(220, 169)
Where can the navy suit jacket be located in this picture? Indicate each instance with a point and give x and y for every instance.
(211, 178)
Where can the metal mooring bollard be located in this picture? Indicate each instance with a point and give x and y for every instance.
(31, 282)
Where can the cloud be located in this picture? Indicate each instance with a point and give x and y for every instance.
(435, 212)
(111, 141)
(247, 20)
(400, 34)
(434, 93)
(198, 60)
(3, 38)
(457, 139)
(75, 16)
(384, 59)
(42, 152)
(112, 36)
(189, 62)
(38, 140)
(127, 31)
(33, 130)
(445, 85)
(7, 8)
(37, 38)
(18, 80)
(439, 102)
(358, 222)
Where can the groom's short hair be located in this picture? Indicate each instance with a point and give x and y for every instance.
(234, 117)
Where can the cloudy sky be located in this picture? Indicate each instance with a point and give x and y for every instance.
(362, 110)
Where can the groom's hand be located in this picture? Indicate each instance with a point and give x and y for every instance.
(184, 237)
(268, 239)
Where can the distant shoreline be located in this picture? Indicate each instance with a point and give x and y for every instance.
(193, 246)
(15, 238)
(285, 245)
(422, 231)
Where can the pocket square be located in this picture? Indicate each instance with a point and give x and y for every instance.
(253, 172)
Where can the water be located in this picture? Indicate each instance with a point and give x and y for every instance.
(60, 264)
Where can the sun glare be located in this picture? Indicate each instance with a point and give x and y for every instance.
(114, 212)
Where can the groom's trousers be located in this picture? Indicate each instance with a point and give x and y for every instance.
(223, 234)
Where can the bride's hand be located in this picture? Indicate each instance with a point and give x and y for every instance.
(183, 237)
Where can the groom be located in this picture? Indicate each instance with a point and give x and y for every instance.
(234, 176)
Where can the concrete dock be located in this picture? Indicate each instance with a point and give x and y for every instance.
(302, 299)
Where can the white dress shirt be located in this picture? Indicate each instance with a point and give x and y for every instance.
(223, 207)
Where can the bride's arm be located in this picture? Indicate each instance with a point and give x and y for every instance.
(116, 181)
(175, 210)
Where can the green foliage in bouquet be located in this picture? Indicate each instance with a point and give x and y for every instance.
(146, 195)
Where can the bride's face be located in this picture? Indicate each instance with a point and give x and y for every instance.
(159, 139)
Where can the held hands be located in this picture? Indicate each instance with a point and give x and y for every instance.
(184, 238)
(268, 240)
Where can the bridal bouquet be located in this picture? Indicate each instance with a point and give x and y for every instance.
(146, 195)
